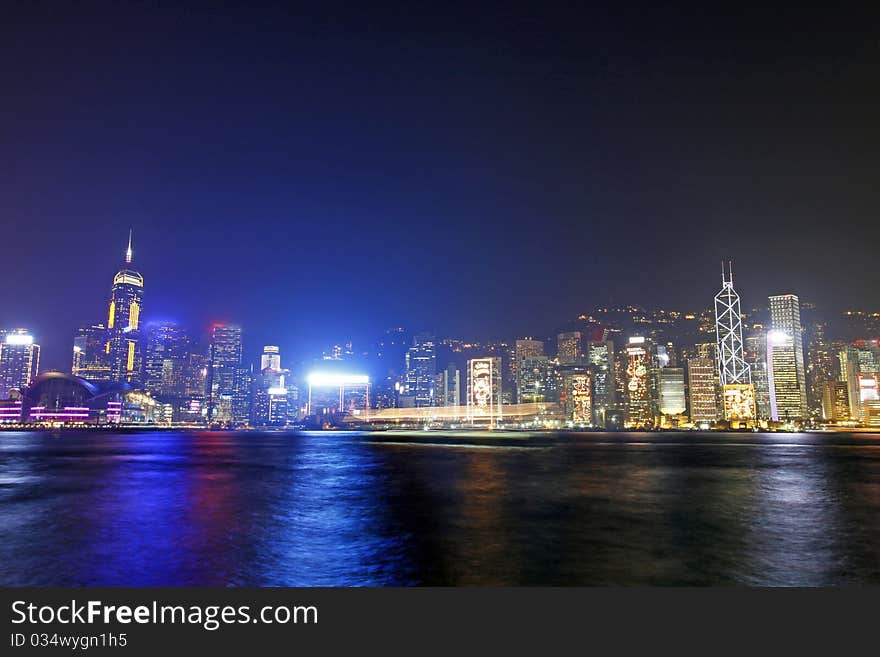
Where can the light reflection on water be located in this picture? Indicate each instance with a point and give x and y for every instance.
(338, 509)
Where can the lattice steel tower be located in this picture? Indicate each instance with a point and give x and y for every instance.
(732, 367)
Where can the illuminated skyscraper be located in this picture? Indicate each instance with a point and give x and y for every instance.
(421, 370)
(600, 356)
(271, 400)
(19, 361)
(90, 358)
(484, 391)
(835, 401)
(576, 396)
(123, 321)
(449, 386)
(849, 374)
(223, 386)
(672, 398)
(639, 404)
(525, 349)
(568, 348)
(271, 358)
(164, 360)
(534, 379)
(756, 357)
(702, 390)
(785, 360)
(732, 367)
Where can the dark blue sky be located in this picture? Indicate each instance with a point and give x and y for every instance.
(473, 171)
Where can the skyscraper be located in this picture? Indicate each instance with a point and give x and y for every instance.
(271, 358)
(271, 401)
(223, 386)
(568, 348)
(524, 349)
(702, 391)
(123, 321)
(639, 405)
(449, 386)
(785, 360)
(533, 379)
(600, 356)
(421, 369)
(484, 391)
(91, 359)
(732, 367)
(672, 398)
(756, 357)
(164, 358)
(835, 401)
(849, 374)
(19, 361)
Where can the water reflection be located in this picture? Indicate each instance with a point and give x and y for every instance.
(329, 509)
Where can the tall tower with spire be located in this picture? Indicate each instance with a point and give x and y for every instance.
(734, 372)
(124, 320)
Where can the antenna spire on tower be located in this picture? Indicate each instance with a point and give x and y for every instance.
(128, 252)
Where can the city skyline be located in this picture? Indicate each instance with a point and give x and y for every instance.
(56, 357)
(672, 369)
(298, 177)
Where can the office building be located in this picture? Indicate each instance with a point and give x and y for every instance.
(785, 360)
(568, 348)
(702, 390)
(533, 379)
(835, 401)
(123, 322)
(600, 358)
(449, 386)
(672, 391)
(524, 349)
(639, 401)
(91, 360)
(19, 362)
(484, 390)
(227, 383)
(421, 371)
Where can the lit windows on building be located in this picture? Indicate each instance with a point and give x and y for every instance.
(702, 390)
(19, 361)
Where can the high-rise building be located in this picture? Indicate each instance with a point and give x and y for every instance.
(756, 357)
(785, 360)
(639, 402)
(484, 391)
(271, 395)
(835, 401)
(123, 321)
(568, 348)
(732, 367)
(672, 396)
(524, 349)
(164, 361)
(600, 356)
(534, 379)
(91, 360)
(702, 390)
(224, 385)
(271, 358)
(449, 386)
(849, 374)
(421, 370)
(577, 396)
(19, 361)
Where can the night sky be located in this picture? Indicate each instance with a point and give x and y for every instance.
(474, 172)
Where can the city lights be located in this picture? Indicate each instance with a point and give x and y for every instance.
(19, 339)
(317, 379)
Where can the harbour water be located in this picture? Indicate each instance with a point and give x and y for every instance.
(351, 509)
